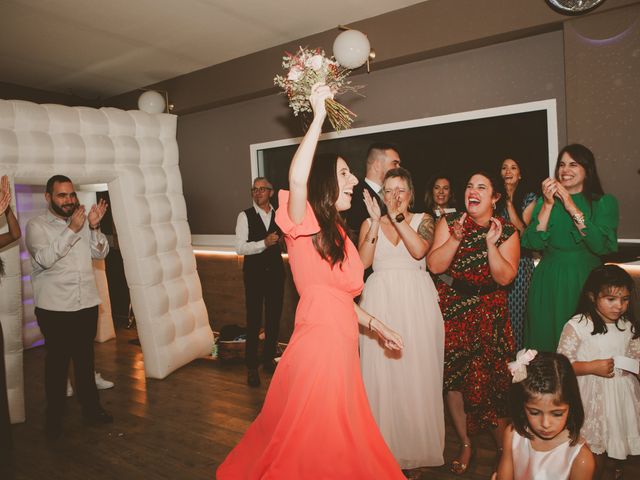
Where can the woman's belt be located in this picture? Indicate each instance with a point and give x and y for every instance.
(467, 288)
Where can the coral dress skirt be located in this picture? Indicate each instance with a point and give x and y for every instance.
(315, 422)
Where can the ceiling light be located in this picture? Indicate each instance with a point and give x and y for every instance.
(352, 49)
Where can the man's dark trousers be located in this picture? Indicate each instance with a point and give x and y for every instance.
(263, 286)
(69, 335)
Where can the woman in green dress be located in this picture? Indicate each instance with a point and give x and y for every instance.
(573, 224)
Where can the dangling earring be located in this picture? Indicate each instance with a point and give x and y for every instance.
(493, 205)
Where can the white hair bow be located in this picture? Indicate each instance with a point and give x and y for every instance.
(519, 368)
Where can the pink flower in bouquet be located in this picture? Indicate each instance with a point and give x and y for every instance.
(295, 74)
(305, 69)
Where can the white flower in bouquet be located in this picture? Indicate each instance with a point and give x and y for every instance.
(315, 62)
(305, 69)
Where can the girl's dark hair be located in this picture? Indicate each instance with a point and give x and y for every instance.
(429, 201)
(548, 373)
(521, 190)
(322, 191)
(600, 280)
(591, 189)
(497, 186)
(404, 174)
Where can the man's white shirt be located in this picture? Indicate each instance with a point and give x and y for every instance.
(62, 270)
(243, 245)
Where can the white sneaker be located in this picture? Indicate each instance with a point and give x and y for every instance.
(101, 383)
(69, 388)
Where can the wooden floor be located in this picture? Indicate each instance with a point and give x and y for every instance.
(178, 428)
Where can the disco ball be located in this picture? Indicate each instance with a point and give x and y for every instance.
(574, 7)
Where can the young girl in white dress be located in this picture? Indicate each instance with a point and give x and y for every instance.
(602, 343)
(543, 443)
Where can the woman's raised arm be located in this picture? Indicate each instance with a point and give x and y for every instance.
(303, 158)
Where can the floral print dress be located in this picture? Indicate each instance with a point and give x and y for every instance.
(478, 338)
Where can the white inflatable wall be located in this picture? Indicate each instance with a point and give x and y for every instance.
(137, 155)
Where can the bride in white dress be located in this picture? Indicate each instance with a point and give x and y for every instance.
(404, 388)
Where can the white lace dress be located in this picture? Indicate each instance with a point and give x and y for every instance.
(405, 388)
(611, 405)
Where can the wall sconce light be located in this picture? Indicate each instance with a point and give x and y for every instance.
(574, 7)
(352, 49)
(154, 102)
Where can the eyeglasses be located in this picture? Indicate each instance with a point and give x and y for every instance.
(260, 189)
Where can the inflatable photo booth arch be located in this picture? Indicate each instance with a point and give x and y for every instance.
(136, 154)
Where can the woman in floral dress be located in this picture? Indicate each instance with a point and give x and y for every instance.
(479, 254)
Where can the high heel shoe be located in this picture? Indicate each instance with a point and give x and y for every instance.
(459, 467)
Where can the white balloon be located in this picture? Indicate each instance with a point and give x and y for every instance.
(351, 48)
(151, 102)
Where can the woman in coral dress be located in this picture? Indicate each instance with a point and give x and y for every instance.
(315, 422)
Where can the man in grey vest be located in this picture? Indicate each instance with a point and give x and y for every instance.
(257, 238)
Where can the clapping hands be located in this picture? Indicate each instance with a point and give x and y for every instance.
(458, 230)
(97, 212)
(552, 189)
(78, 218)
(394, 206)
(373, 207)
(495, 230)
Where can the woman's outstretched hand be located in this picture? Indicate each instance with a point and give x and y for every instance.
(319, 93)
(390, 339)
(373, 207)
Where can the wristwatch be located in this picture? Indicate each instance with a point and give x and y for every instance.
(399, 218)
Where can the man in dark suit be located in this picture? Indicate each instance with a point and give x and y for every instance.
(381, 158)
(257, 238)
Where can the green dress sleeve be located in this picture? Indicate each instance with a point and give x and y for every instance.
(600, 232)
(531, 237)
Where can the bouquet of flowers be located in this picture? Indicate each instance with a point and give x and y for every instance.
(305, 69)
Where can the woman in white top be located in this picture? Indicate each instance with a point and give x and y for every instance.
(404, 388)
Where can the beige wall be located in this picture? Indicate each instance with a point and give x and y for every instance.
(438, 56)
(603, 102)
(214, 144)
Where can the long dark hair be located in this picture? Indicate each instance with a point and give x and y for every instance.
(429, 201)
(322, 188)
(548, 373)
(601, 280)
(521, 190)
(592, 188)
